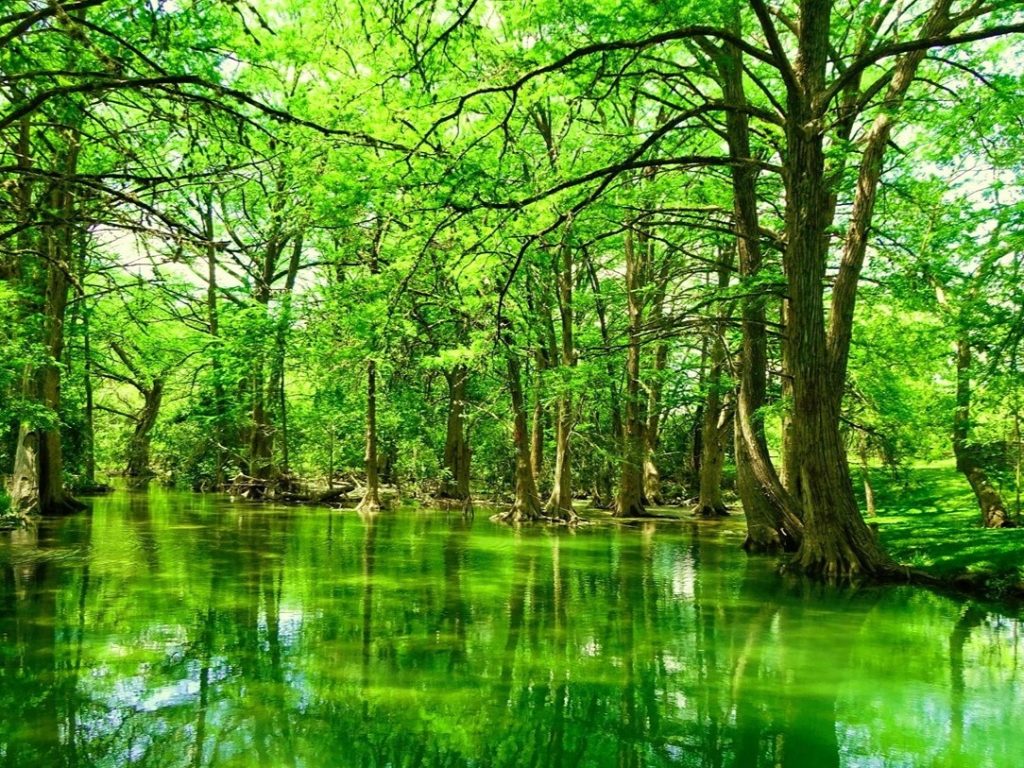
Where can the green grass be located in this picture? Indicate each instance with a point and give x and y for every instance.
(929, 519)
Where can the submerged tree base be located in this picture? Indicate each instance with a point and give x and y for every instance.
(370, 505)
(522, 513)
(764, 540)
(841, 559)
(710, 510)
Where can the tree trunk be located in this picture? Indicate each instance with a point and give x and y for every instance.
(90, 432)
(993, 511)
(526, 505)
(865, 474)
(38, 481)
(712, 458)
(261, 443)
(371, 498)
(138, 469)
(602, 492)
(455, 484)
(261, 436)
(652, 433)
(537, 428)
(559, 505)
(652, 429)
(790, 474)
(629, 499)
(213, 322)
(765, 518)
(837, 544)
(276, 392)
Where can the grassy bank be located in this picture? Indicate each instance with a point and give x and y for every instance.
(929, 520)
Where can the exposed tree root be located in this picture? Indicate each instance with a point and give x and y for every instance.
(765, 540)
(523, 510)
(558, 514)
(710, 510)
(370, 505)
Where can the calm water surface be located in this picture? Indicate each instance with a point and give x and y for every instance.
(180, 630)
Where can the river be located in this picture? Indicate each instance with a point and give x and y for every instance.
(175, 629)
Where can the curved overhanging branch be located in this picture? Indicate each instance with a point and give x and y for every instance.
(934, 41)
(673, 35)
(162, 82)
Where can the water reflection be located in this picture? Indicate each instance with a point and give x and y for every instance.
(176, 630)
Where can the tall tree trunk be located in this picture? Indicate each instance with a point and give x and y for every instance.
(213, 323)
(371, 498)
(537, 421)
(261, 442)
(712, 459)
(90, 431)
(559, 505)
(765, 518)
(457, 457)
(526, 504)
(652, 432)
(629, 499)
(790, 474)
(276, 391)
(837, 544)
(652, 429)
(12, 265)
(993, 510)
(865, 476)
(603, 494)
(261, 436)
(38, 481)
(138, 470)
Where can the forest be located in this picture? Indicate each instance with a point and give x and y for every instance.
(629, 254)
(505, 382)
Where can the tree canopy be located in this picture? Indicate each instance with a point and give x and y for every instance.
(714, 254)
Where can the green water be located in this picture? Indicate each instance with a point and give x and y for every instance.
(182, 630)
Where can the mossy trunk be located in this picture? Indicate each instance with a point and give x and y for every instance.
(837, 544)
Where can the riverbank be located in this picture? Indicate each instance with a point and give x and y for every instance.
(928, 520)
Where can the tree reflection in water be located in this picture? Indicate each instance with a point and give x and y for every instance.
(168, 631)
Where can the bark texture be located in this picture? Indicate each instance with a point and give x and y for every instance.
(526, 507)
(37, 483)
(455, 484)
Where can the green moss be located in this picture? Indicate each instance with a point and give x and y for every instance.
(929, 519)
